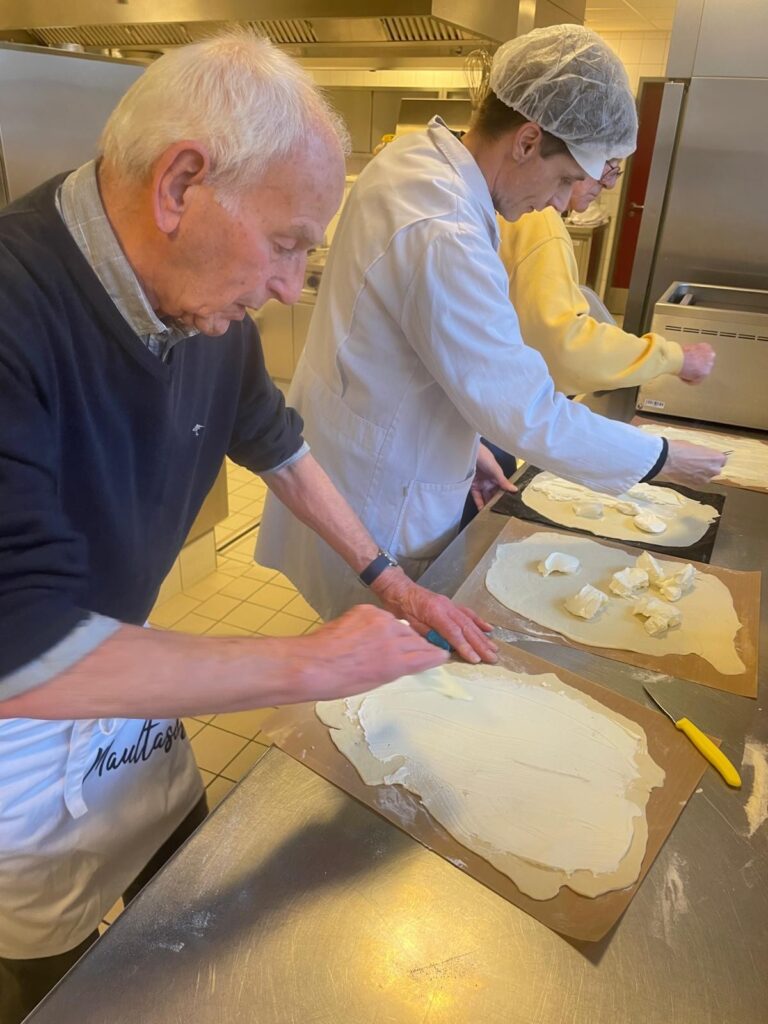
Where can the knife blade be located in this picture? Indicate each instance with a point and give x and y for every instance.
(703, 744)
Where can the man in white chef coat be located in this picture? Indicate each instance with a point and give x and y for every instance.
(128, 370)
(414, 350)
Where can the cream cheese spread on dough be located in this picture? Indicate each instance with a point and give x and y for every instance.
(677, 520)
(535, 776)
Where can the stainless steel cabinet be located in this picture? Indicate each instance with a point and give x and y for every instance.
(354, 105)
(275, 324)
(371, 113)
(283, 331)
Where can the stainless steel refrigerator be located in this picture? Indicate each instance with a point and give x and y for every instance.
(706, 209)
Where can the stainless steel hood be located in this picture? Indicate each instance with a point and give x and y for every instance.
(306, 28)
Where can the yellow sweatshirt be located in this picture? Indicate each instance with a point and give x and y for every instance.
(582, 354)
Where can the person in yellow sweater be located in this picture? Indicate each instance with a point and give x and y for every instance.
(582, 353)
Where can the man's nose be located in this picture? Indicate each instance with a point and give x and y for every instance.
(561, 198)
(286, 285)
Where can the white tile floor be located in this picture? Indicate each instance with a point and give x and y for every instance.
(239, 599)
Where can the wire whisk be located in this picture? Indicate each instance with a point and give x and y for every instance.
(477, 68)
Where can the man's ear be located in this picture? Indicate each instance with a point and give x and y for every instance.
(180, 169)
(526, 142)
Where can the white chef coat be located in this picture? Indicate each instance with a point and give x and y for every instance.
(84, 805)
(413, 352)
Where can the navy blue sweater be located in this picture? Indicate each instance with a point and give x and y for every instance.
(101, 469)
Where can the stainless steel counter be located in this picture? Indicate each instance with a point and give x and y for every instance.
(293, 903)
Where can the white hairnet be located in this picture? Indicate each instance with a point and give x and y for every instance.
(567, 80)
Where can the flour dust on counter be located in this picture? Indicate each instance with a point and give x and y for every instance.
(542, 781)
(705, 620)
(674, 519)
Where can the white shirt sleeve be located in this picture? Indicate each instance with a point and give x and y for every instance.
(459, 320)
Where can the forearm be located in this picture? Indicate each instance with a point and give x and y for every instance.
(307, 491)
(142, 673)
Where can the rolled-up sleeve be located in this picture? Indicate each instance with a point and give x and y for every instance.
(458, 317)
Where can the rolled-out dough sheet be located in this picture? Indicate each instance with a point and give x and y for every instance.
(747, 464)
(687, 520)
(541, 780)
(709, 626)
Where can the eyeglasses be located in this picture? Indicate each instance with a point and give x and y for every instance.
(612, 175)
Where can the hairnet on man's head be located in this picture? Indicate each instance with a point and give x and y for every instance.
(570, 83)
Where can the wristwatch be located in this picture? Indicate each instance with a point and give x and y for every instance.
(374, 569)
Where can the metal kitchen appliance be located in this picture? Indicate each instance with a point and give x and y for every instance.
(705, 215)
(384, 30)
(734, 321)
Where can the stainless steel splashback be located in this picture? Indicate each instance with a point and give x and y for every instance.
(416, 113)
(52, 109)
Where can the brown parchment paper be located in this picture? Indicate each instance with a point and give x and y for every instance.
(299, 732)
(744, 588)
(725, 480)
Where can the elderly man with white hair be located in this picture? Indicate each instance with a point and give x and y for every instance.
(414, 351)
(128, 369)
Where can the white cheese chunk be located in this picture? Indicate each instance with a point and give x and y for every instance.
(587, 602)
(649, 523)
(648, 564)
(559, 562)
(629, 582)
(660, 616)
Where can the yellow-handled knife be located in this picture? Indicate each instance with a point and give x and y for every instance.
(703, 744)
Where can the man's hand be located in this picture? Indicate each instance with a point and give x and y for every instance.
(489, 478)
(691, 464)
(464, 631)
(698, 361)
(362, 649)
(307, 491)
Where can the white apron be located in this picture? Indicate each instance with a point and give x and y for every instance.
(84, 805)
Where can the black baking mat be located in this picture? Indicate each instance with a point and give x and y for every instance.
(701, 551)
